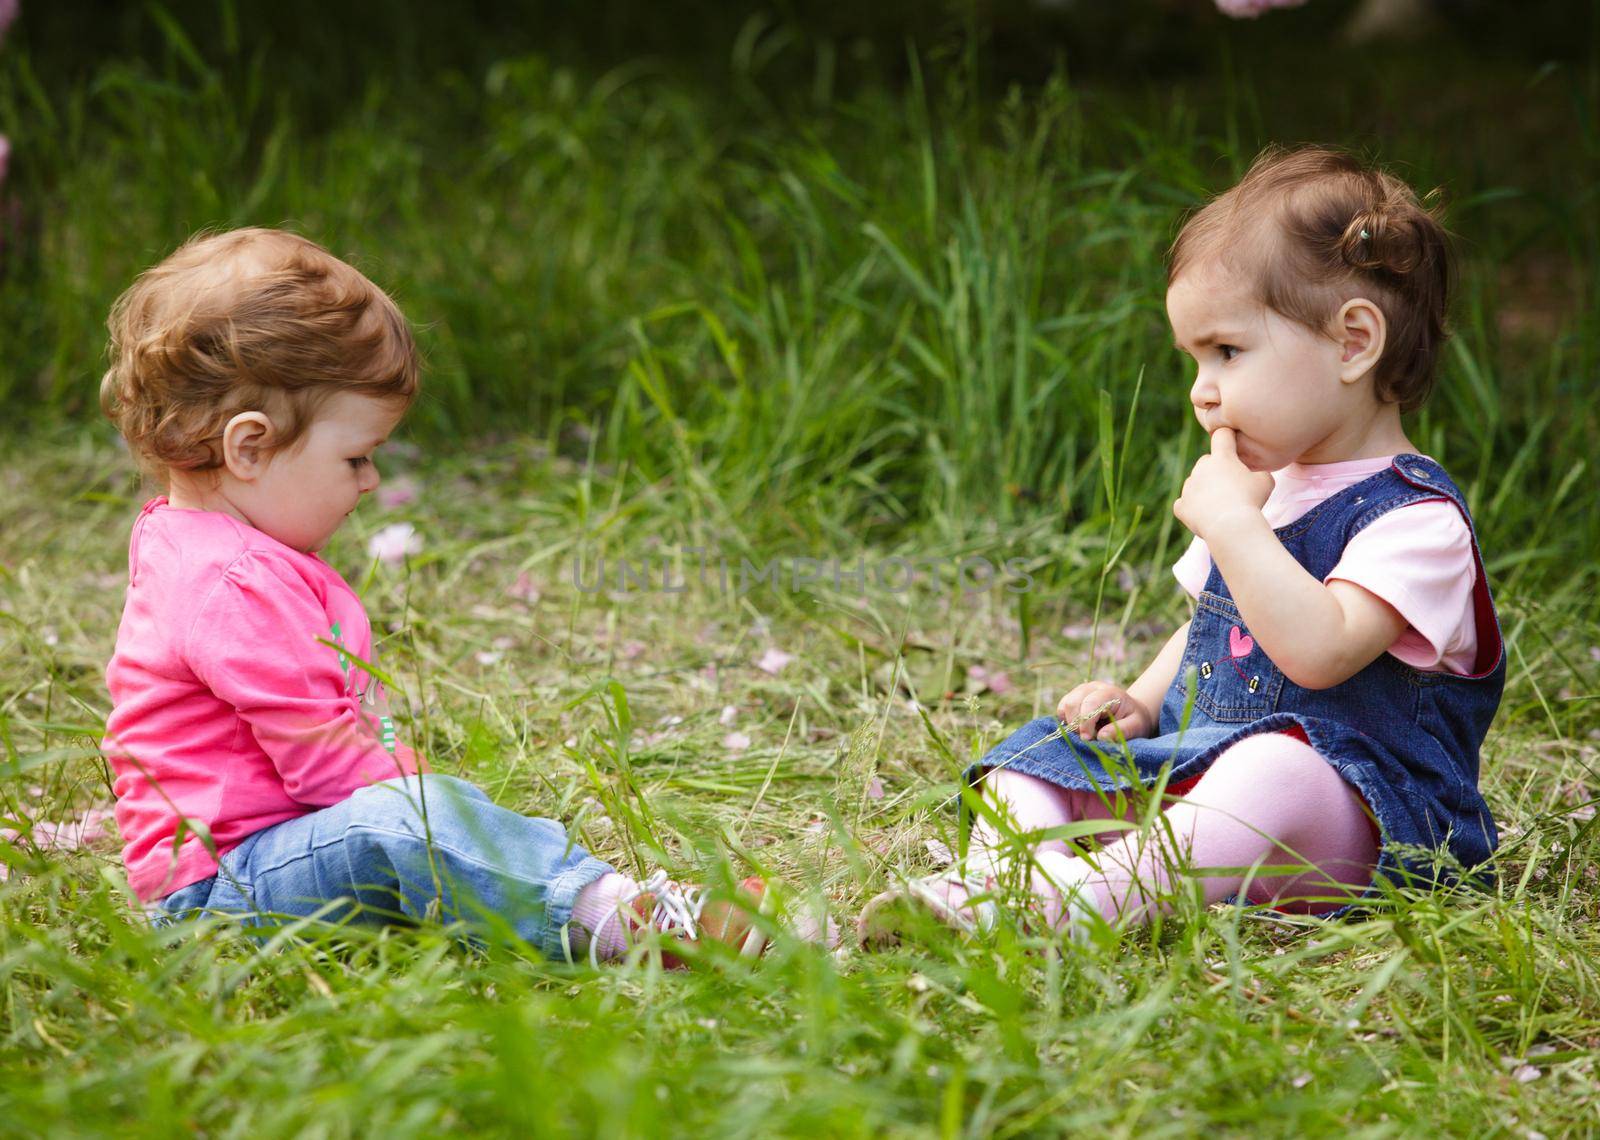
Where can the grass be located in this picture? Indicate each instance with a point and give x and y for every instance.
(874, 320)
(1428, 1011)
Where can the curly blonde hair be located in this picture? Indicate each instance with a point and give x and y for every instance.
(246, 320)
(1313, 228)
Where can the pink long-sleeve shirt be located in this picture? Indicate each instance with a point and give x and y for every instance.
(229, 705)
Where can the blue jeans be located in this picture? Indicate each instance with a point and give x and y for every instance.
(487, 866)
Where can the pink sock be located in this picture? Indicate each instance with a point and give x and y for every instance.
(595, 910)
(1030, 804)
(1269, 803)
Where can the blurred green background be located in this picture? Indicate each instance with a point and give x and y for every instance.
(863, 266)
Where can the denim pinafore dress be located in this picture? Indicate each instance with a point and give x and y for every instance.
(1407, 740)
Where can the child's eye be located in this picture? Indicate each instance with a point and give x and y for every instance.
(1225, 349)
(358, 462)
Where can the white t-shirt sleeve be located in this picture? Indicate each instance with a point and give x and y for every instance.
(1193, 568)
(1416, 558)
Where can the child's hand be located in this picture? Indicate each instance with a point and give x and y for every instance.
(1083, 710)
(1220, 487)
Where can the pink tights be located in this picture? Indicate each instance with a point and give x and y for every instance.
(1268, 802)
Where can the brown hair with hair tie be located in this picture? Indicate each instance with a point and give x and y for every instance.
(1314, 227)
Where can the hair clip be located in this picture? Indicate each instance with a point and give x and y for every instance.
(1363, 235)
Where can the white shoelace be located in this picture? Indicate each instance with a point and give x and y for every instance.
(677, 910)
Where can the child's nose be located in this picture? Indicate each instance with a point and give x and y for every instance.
(1203, 392)
(370, 478)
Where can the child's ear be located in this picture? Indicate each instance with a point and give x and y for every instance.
(1361, 332)
(244, 445)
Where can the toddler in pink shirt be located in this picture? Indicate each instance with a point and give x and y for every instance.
(257, 768)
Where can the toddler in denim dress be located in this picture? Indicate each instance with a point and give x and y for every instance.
(257, 768)
(1315, 726)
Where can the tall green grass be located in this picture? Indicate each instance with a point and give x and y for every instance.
(901, 307)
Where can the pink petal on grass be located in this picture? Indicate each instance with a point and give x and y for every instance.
(631, 649)
(874, 789)
(1250, 9)
(70, 834)
(727, 716)
(394, 543)
(397, 492)
(1112, 649)
(525, 589)
(997, 682)
(773, 661)
(736, 741)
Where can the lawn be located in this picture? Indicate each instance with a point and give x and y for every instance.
(786, 300)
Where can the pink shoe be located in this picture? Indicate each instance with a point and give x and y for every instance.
(965, 902)
(973, 902)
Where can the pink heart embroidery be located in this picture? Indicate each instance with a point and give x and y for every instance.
(1239, 643)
